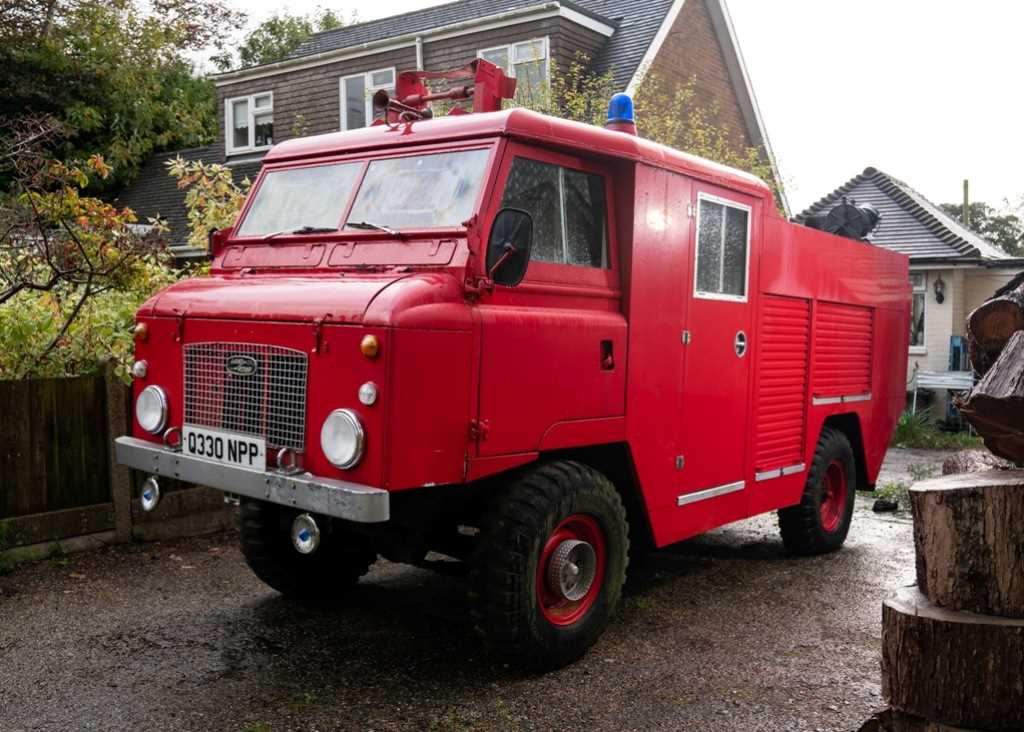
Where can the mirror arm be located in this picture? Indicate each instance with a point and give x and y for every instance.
(510, 251)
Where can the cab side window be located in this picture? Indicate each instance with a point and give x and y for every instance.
(570, 221)
(723, 238)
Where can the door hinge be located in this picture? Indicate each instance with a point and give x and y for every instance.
(689, 210)
(478, 429)
(686, 337)
(680, 462)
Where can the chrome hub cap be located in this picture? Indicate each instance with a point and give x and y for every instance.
(305, 534)
(571, 569)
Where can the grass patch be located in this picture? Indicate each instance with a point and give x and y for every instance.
(919, 432)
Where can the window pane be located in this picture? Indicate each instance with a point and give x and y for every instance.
(355, 102)
(529, 51)
(917, 320)
(425, 191)
(382, 78)
(585, 219)
(497, 56)
(291, 199)
(264, 124)
(533, 187)
(709, 247)
(262, 102)
(531, 76)
(240, 123)
(734, 264)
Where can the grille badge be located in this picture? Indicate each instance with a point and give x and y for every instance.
(241, 365)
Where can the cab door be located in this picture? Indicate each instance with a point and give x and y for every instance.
(718, 360)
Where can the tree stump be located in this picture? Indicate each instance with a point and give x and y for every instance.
(953, 668)
(969, 540)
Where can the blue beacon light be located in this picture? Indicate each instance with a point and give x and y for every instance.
(621, 116)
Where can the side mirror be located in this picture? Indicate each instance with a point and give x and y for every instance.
(217, 238)
(508, 251)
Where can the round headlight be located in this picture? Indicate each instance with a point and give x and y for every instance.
(151, 409)
(342, 438)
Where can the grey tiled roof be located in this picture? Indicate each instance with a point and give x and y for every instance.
(155, 194)
(636, 26)
(911, 224)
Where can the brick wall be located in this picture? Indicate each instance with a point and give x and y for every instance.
(692, 50)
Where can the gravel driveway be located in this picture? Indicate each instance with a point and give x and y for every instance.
(720, 633)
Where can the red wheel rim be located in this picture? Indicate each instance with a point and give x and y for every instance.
(555, 607)
(833, 496)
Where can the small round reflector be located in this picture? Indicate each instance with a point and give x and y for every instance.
(305, 534)
(150, 496)
(370, 346)
(368, 394)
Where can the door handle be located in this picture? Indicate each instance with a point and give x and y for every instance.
(607, 356)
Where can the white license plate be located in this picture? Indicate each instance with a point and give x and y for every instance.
(243, 451)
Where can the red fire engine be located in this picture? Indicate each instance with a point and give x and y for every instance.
(529, 344)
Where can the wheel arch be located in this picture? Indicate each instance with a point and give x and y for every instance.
(615, 461)
(849, 425)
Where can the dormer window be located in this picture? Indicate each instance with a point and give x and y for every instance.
(249, 123)
(526, 61)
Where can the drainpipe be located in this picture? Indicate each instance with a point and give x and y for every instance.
(419, 53)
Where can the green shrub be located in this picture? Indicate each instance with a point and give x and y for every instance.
(918, 431)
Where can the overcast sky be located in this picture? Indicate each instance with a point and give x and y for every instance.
(927, 90)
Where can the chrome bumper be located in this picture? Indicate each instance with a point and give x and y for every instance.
(303, 491)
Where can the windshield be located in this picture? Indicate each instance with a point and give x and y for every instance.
(301, 199)
(420, 192)
(438, 190)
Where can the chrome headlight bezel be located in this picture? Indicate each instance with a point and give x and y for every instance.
(160, 396)
(349, 420)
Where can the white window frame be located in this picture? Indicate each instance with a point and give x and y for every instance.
(369, 90)
(697, 292)
(922, 290)
(509, 48)
(229, 122)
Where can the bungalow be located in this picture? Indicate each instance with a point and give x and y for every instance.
(952, 270)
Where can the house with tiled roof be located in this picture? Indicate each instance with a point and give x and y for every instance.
(326, 84)
(952, 269)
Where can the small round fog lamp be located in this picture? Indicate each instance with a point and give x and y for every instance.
(150, 495)
(305, 534)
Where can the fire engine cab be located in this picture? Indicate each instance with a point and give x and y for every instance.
(529, 344)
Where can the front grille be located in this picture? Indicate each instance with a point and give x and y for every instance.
(269, 401)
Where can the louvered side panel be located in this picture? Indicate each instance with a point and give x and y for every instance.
(843, 337)
(784, 338)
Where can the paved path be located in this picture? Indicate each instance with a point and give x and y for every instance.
(720, 633)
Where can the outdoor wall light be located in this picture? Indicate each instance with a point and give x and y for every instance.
(940, 290)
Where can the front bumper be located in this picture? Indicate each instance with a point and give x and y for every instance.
(303, 491)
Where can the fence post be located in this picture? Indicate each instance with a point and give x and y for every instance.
(120, 476)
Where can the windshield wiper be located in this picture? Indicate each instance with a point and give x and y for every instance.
(367, 225)
(302, 230)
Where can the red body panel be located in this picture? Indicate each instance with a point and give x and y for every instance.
(476, 379)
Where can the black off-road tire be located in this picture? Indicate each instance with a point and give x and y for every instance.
(321, 578)
(801, 525)
(503, 581)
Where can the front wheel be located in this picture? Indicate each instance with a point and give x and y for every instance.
(821, 521)
(547, 575)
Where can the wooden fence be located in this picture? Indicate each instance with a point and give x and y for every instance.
(58, 478)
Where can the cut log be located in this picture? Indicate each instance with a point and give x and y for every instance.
(974, 461)
(953, 668)
(969, 538)
(996, 404)
(992, 324)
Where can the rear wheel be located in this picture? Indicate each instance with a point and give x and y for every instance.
(322, 577)
(821, 521)
(548, 573)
